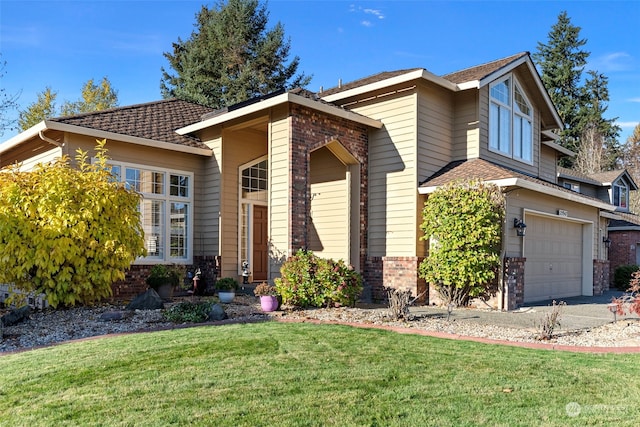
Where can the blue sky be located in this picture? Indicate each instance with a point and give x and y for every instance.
(62, 44)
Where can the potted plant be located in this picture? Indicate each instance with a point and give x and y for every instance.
(268, 296)
(163, 279)
(226, 289)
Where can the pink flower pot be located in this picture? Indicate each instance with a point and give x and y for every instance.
(268, 303)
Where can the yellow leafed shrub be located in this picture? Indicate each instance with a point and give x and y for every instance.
(68, 232)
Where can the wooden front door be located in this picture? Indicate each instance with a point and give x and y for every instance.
(260, 250)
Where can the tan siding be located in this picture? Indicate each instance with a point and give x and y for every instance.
(41, 158)
(466, 134)
(329, 235)
(548, 164)
(207, 225)
(393, 174)
(238, 148)
(279, 182)
(435, 129)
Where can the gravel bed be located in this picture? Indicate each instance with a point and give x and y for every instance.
(53, 326)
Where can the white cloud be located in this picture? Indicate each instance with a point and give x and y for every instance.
(366, 11)
(634, 100)
(627, 125)
(615, 61)
(375, 12)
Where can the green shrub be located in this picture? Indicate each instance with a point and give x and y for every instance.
(188, 312)
(622, 276)
(310, 281)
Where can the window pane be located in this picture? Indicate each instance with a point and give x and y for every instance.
(500, 92)
(494, 127)
(179, 185)
(254, 182)
(152, 214)
(505, 130)
(521, 103)
(527, 140)
(517, 137)
(179, 230)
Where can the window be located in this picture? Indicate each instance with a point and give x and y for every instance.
(572, 186)
(620, 194)
(510, 120)
(165, 210)
(253, 191)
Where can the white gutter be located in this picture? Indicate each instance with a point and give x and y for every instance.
(275, 101)
(523, 183)
(49, 140)
(22, 137)
(403, 78)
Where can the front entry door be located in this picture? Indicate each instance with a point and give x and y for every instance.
(260, 250)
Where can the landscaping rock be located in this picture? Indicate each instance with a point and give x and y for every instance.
(149, 300)
(16, 316)
(217, 313)
(111, 316)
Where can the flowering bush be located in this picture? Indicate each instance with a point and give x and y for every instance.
(630, 301)
(310, 281)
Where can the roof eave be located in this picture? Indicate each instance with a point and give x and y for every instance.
(23, 137)
(97, 133)
(275, 101)
(559, 148)
(403, 78)
(522, 183)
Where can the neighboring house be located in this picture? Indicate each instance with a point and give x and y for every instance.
(623, 226)
(345, 172)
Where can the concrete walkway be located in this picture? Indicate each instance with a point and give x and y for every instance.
(579, 313)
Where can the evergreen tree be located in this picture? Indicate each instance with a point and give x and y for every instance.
(581, 105)
(632, 164)
(41, 109)
(231, 57)
(561, 62)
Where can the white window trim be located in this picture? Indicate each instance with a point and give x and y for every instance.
(167, 199)
(620, 183)
(513, 114)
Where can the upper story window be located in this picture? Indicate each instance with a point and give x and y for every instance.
(572, 186)
(620, 194)
(165, 209)
(510, 120)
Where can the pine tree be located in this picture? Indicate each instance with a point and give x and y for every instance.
(581, 105)
(632, 164)
(561, 62)
(231, 57)
(38, 111)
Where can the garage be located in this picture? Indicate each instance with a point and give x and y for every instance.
(553, 249)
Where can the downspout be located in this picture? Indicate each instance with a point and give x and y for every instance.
(49, 140)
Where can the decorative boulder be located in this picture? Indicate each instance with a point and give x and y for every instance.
(217, 313)
(16, 316)
(149, 300)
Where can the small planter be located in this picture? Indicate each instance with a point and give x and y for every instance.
(226, 297)
(165, 291)
(269, 303)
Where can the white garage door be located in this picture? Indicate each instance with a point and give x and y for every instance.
(553, 251)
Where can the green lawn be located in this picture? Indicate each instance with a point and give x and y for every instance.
(311, 375)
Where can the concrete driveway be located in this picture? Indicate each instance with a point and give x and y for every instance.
(579, 313)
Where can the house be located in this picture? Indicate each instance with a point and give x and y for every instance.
(345, 172)
(623, 227)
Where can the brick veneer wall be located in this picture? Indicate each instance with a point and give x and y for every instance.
(622, 250)
(601, 275)
(514, 282)
(393, 272)
(311, 130)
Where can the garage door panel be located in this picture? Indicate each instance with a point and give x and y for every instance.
(553, 252)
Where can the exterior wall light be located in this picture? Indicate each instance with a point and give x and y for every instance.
(520, 227)
(606, 241)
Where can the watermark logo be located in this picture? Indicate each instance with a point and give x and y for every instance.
(574, 409)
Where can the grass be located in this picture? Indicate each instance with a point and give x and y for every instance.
(311, 375)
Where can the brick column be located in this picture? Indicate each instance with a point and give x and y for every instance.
(600, 276)
(513, 282)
